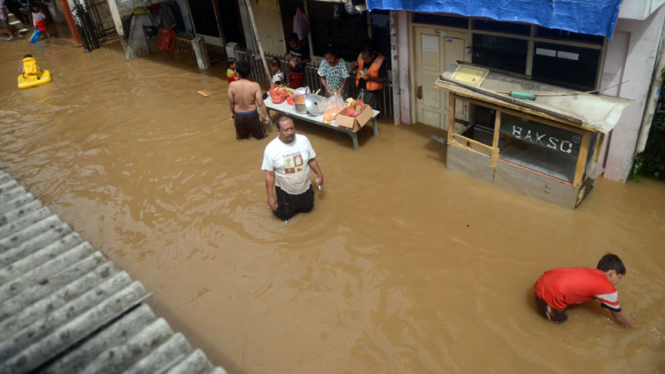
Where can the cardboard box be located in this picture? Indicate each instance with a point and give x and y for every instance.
(355, 122)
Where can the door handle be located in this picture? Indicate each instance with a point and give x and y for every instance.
(419, 92)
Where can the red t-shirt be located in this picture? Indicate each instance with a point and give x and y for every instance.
(567, 286)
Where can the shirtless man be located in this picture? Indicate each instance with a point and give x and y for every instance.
(244, 98)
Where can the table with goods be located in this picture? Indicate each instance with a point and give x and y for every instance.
(334, 113)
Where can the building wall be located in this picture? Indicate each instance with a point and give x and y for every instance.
(121, 10)
(638, 41)
(269, 23)
(404, 86)
(631, 56)
(639, 9)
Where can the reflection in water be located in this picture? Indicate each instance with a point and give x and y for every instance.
(402, 267)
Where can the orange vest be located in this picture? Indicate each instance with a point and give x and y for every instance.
(372, 72)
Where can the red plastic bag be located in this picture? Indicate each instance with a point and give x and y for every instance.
(300, 24)
(278, 96)
(355, 109)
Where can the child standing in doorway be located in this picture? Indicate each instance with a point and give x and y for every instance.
(278, 74)
(298, 57)
(231, 74)
(39, 20)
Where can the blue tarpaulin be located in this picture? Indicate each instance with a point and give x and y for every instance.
(596, 17)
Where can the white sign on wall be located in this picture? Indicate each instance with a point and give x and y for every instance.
(430, 43)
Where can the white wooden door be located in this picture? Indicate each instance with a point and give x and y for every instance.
(435, 50)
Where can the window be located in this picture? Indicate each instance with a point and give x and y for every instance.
(501, 53)
(381, 34)
(503, 27)
(540, 147)
(566, 66)
(331, 24)
(288, 9)
(434, 19)
(558, 57)
(562, 35)
(204, 19)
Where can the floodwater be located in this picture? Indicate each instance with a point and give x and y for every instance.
(402, 267)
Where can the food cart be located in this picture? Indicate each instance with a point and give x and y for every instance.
(534, 138)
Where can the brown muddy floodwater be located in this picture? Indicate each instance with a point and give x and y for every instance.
(402, 267)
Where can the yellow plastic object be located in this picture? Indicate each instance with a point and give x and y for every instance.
(32, 76)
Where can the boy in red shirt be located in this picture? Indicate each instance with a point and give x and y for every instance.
(557, 289)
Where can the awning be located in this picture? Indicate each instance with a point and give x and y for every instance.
(593, 112)
(596, 17)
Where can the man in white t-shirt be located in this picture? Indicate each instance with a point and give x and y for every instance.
(286, 161)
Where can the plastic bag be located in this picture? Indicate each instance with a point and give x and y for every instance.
(35, 36)
(278, 94)
(333, 105)
(300, 24)
(355, 109)
(302, 91)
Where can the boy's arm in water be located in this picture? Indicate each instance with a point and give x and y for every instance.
(623, 319)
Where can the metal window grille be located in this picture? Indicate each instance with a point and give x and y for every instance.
(101, 17)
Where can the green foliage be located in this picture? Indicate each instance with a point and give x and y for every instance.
(651, 162)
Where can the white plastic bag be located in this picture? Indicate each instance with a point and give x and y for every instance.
(300, 24)
(302, 91)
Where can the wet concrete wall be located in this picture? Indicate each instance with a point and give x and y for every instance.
(121, 10)
(639, 9)
(631, 57)
(269, 22)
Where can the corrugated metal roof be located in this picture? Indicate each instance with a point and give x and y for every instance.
(65, 308)
(594, 112)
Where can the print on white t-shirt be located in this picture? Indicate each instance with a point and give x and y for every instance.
(290, 162)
